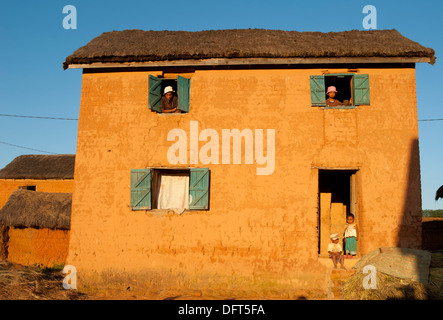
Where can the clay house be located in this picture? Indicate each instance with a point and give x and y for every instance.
(238, 189)
(38, 226)
(44, 173)
(32, 187)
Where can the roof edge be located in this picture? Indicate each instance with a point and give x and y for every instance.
(250, 61)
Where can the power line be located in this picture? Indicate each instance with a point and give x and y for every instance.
(75, 119)
(17, 146)
(35, 117)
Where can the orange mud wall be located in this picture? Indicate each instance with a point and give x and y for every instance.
(260, 235)
(8, 186)
(42, 247)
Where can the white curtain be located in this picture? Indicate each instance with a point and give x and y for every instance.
(173, 192)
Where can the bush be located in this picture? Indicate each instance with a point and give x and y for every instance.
(433, 213)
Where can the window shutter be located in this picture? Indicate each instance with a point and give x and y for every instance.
(318, 92)
(199, 189)
(155, 93)
(360, 83)
(141, 189)
(183, 88)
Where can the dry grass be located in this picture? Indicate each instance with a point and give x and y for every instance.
(31, 283)
(392, 288)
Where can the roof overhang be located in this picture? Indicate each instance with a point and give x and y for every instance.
(254, 61)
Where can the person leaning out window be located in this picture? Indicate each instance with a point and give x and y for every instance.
(169, 101)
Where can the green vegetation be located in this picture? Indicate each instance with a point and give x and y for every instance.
(433, 213)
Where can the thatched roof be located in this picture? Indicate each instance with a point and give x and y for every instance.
(439, 193)
(40, 167)
(38, 210)
(142, 46)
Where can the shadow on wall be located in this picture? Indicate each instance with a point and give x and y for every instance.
(414, 262)
(409, 233)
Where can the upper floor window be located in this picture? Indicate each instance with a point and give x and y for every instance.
(337, 90)
(169, 95)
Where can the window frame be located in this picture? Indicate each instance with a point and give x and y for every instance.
(155, 93)
(143, 182)
(360, 90)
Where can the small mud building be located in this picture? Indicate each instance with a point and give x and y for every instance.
(237, 191)
(44, 173)
(35, 202)
(38, 227)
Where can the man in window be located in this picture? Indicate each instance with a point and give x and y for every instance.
(169, 101)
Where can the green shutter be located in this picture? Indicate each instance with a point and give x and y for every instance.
(360, 83)
(318, 92)
(199, 189)
(184, 89)
(141, 189)
(155, 93)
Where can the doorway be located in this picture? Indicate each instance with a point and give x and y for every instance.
(337, 197)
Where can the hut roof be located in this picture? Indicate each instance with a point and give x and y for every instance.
(40, 167)
(439, 193)
(143, 46)
(32, 209)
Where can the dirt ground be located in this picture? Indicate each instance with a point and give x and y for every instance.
(19, 282)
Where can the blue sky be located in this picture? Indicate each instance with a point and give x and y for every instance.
(34, 45)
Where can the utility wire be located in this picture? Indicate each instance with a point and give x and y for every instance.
(74, 119)
(35, 117)
(32, 117)
(17, 146)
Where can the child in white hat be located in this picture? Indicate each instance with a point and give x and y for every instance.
(335, 251)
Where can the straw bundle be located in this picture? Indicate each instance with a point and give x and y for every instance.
(393, 288)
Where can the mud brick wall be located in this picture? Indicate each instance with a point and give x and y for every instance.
(8, 186)
(42, 247)
(260, 235)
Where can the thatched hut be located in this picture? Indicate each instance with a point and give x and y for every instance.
(39, 224)
(439, 193)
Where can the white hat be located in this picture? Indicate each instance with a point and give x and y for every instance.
(335, 236)
(168, 89)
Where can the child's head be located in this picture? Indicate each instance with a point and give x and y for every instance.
(335, 237)
(332, 91)
(350, 218)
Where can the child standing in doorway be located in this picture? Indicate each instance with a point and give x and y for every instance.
(351, 235)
